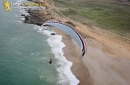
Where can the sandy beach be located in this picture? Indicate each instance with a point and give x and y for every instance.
(72, 53)
(106, 61)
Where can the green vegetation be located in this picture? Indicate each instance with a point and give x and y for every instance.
(107, 15)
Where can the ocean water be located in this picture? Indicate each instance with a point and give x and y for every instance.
(25, 50)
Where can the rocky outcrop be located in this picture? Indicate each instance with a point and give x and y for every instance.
(37, 17)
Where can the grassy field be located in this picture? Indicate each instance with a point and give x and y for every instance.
(107, 15)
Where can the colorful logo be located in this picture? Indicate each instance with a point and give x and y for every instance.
(7, 5)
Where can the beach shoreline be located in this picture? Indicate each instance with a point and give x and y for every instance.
(106, 61)
(104, 58)
(73, 54)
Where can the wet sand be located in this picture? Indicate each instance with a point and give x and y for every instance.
(73, 54)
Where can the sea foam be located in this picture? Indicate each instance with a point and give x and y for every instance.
(66, 77)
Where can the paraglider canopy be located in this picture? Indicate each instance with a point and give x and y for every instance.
(70, 31)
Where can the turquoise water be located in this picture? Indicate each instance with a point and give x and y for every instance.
(24, 53)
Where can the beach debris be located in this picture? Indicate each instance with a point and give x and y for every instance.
(53, 34)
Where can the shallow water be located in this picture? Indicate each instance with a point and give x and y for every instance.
(24, 53)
